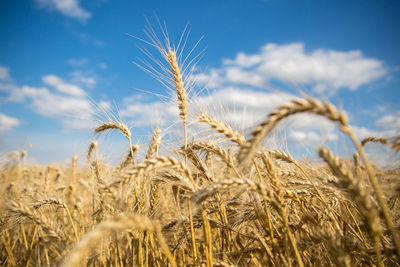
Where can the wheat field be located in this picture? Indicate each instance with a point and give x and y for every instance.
(226, 201)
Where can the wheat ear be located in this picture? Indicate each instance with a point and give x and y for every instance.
(155, 190)
(225, 129)
(155, 144)
(127, 160)
(396, 144)
(216, 149)
(92, 147)
(180, 90)
(366, 140)
(115, 125)
(308, 105)
(194, 158)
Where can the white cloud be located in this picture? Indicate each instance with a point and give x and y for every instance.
(7, 123)
(73, 111)
(8, 87)
(311, 137)
(213, 79)
(324, 70)
(84, 78)
(391, 121)
(146, 114)
(77, 62)
(63, 87)
(69, 8)
(4, 73)
(387, 126)
(50, 104)
(303, 136)
(80, 124)
(64, 101)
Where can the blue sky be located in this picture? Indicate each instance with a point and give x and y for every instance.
(66, 63)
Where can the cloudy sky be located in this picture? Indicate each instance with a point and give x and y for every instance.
(66, 64)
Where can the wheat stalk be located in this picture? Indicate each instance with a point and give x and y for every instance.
(192, 234)
(207, 239)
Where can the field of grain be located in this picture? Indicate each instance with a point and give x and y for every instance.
(227, 201)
